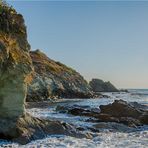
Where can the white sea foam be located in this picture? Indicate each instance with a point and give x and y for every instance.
(137, 138)
(103, 140)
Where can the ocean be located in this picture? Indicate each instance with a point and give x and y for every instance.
(105, 138)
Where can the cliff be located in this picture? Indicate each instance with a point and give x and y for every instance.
(15, 62)
(54, 79)
(16, 71)
(98, 85)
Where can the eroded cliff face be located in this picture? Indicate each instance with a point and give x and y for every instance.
(54, 79)
(15, 63)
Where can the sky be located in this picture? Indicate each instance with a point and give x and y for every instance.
(100, 39)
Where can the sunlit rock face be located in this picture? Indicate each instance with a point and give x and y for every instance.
(15, 63)
(54, 79)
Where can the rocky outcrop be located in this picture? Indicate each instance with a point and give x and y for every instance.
(119, 111)
(15, 63)
(28, 128)
(125, 113)
(54, 79)
(98, 85)
(15, 73)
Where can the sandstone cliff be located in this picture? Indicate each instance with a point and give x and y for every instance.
(98, 85)
(15, 62)
(54, 79)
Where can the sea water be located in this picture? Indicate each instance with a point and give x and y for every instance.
(133, 138)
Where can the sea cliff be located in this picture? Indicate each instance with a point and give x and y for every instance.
(16, 71)
(55, 80)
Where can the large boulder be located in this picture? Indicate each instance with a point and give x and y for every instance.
(54, 79)
(127, 113)
(98, 85)
(120, 108)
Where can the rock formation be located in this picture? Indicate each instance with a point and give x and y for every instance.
(54, 79)
(98, 85)
(131, 114)
(123, 112)
(15, 63)
(15, 73)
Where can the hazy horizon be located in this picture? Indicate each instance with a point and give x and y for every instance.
(105, 40)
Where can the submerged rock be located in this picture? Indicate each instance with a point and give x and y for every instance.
(98, 85)
(113, 126)
(54, 79)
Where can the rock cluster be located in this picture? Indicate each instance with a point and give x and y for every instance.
(131, 114)
(98, 85)
(121, 111)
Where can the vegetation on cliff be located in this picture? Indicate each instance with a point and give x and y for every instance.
(13, 24)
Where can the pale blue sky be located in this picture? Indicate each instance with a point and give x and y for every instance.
(107, 40)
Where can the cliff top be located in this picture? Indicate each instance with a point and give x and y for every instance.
(10, 20)
(48, 65)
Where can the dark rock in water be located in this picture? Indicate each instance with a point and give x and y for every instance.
(138, 106)
(119, 111)
(98, 85)
(54, 79)
(120, 108)
(144, 118)
(26, 128)
(78, 110)
(124, 90)
(124, 112)
(107, 118)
